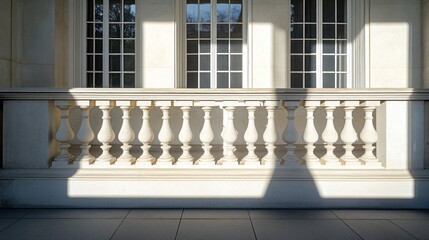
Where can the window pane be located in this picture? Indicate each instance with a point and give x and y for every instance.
(115, 11)
(296, 11)
(129, 11)
(98, 63)
(329, 80)
(222, 80)
(90, 80)
(222, 62)
(192, 31)
(204, 80)
(310, 10)
(342, 80)
(129, 63)
(296, 63)
(115, 80)
(89, 46)
(236, 11)
(205, 31)
(129, 30)
(329, 46)
(296, 46)
(222, 31)
(129, 46)
(341, 11)
(310, 46)
(222, 46)
(329, 31)
(342, 31)
(310, 63)
(296, 31)
(89, 63)
(205, 63)
(328, 10)
(236, 63)
(98, 80)
(192, 62)
(342, 63)
(99, 30)
(342, 47)
(129, 80)
(310, 31)
(236, 46)
(192, 80)
(222, 11)
(328, 63)
(205, 46)
(205, 11)
(115, 30)
(310, 80)
(90, 30)
(98, 10)
(236, 80)
(236, 31)
(297, 80)
(192, 46)
(115, 46)
(115, 63)
(90, 11)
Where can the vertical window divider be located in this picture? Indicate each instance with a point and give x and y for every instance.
(105, 53)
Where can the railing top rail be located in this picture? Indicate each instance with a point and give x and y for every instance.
(381, 94)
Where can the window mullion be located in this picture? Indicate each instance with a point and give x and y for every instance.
(106, 43)
(213, 39)
(319, 48)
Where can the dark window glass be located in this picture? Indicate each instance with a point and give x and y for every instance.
(296, 46)
(205, 62)
(328, 10)
(115, 80)
(329, 80)
(204, 80)
(236, 80)
(296, 63)
(222, 46)
(297, 80)
(129, 80)
(341, 11)
(192, 63)
(90, 80)
(222, 62)
(115, 63)
(310, 46)
(222, 80)
(205, 46)
(296, 31)
(192, 80)
(296, 11)
(310, 63)
(329, 31)
(310, 80)
(310, 10)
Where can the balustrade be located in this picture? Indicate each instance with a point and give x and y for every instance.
(317, 152)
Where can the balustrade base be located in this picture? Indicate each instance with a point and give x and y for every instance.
(143, 164)
(352, 164)
(101, 164)
(203, 163)
(249, 163)
(372, 164)
(179, 163)
(332, 164)
(313, 164)
(122, 164)
(293, 165)
(61, 165)
(159, 163)
(227, 163)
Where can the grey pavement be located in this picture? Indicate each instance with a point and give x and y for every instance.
(188, 224)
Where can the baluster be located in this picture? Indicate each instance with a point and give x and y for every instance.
(185, 134)
(270, 135)
(145, 135)
(311, 136)
(330, 135)
(229, 137)
(126, 135)
(64, 136)
(349, 135)
(206, 137)
(251, 135)
(106, 134)
(369, 135)
(290, 134)
(85, 134)
(165, 135)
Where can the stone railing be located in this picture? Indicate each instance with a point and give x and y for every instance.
(336, 142)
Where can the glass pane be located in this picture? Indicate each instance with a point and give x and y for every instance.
(205, 31)
(310, 10)
(328, 63)
(236, 63)
(89, 46)
(297, 80)
(192, 46)
(129, 63)
(129, 80)
(115, 63)
(310, 63)
(296, 46)
(205, 62)
(296, 9)
(98, 63)
(296, 63)
(129, 30)
(310, 46)
(296, 31)
(115, 11)
(98, 10)
(99, 30)
(115, 80)
(342, 47)
(90, 11)
(115, 30)
(205, 46)
(99, 46)
(328, 46)
(114, 46)
(310, 30)
(222, 80)
(222, 9)
(98, 80)
(192, 63)
(329, 80)
(222, 31)
(310, 80)
(342, 31)
(204, 80)
(205, 11)
(222, 46)
(192, 11)
(328, 10)
(342, 80)
(236, 11)
(129, 12)
(129, 46)
(222, 62)
(89, 80)
(342, 63)
(89, 30)
(192, 80)
(236, 80)
(236, 31)
(236, 46)
(89, 63)
(329, 31)
(342, 11)
(192, 31)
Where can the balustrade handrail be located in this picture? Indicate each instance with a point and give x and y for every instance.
(158, 94)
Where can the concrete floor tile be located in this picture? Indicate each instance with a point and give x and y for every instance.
(155, 213)
(302, 229)
(382, 214)
(147, 229)
(292, 214)
(78, 213)
(215, 213)
(10, 213)
(216, 229)
(417, 228)
(4, 223)
(64, 229)
(378, 230)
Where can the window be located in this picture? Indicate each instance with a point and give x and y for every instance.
(319, 47)
(215, 33)
(110, 43)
